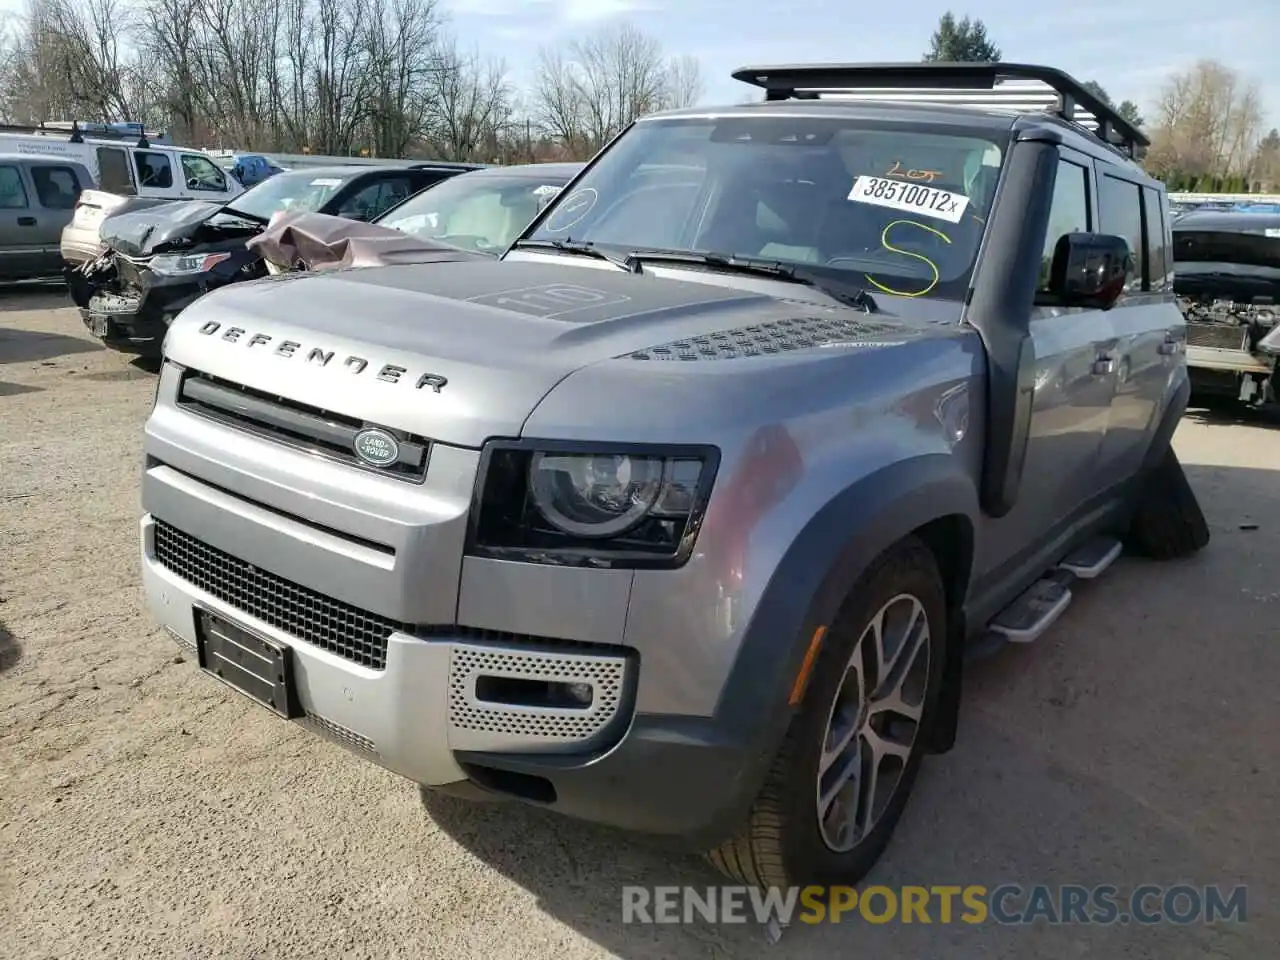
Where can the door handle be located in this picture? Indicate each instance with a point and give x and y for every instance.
(1172, 345)
(1104, 365)
(26, 221)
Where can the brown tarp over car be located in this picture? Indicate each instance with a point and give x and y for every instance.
(317, 241)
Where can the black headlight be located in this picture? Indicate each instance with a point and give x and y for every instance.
(603, 505)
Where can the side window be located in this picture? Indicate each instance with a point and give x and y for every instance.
(1069, 212)
(375, 198)
(56, 187)
(13, 195)
(1120, 208)
(154, 170)
(1159, 258)
(201, 173)
(426, 178)
(114, 175)
(394, 190)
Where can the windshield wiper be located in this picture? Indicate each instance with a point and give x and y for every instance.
(251, 217)
(848, 294)
(584, 248)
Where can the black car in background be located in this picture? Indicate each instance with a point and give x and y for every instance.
(162, 258)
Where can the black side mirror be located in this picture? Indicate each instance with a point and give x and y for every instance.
(1089, 270)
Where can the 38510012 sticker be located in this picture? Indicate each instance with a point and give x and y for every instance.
(917, 198)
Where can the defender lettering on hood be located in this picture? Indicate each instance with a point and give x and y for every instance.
(291, 349)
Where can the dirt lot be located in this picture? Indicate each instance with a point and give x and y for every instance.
(145, 812)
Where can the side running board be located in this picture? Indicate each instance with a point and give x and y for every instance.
(1039, 607)
(1036, 610)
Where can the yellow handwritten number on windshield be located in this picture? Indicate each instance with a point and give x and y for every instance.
(884, 242)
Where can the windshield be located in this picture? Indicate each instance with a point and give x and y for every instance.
(900, 211)
(475, 213)
(1261, 249)
(297, 190)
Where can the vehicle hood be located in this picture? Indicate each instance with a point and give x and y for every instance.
(318, 241)
(460, 352)
(177, 225)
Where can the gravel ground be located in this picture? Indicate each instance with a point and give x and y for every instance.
(146, 812)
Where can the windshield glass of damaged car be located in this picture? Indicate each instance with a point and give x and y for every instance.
(297, 191)
(475, 214)
(900, 211)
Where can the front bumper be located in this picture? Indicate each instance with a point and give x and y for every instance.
(137, 319)
(421, 714)
(128, 329)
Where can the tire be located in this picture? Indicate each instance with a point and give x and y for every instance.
(781, 842)
(1167, 521)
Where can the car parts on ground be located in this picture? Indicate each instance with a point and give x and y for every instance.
(1227, 278)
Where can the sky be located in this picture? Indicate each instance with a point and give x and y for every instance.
(1129, 47)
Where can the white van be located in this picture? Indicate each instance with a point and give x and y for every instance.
(127, 165)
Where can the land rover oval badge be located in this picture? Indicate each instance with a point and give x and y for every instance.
(376, 447)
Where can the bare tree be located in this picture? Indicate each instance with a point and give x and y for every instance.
(473, 104)
(557, 101)
(70, 57)
(1266, 164)
(325, 76)
(1208, 123)
(404, 58)
(585, 93)
(684, 81)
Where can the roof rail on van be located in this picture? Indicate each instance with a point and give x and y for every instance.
(77, 133)
(938, 83)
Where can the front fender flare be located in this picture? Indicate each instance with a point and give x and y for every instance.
(816, 573)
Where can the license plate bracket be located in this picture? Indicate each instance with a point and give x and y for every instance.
(250, 664)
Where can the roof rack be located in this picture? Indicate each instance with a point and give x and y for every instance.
(77, 132)
(1036, 89)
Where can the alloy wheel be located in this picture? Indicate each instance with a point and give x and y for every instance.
(874, 722)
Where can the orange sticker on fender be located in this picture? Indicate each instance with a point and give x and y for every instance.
(914, 198)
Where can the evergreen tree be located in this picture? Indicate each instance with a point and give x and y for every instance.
(961, 41)
(1127, 108)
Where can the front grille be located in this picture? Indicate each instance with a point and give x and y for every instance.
(354, 634)
(298, 425)
(1221, 336)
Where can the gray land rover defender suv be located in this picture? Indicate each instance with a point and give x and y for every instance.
(682, 515)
